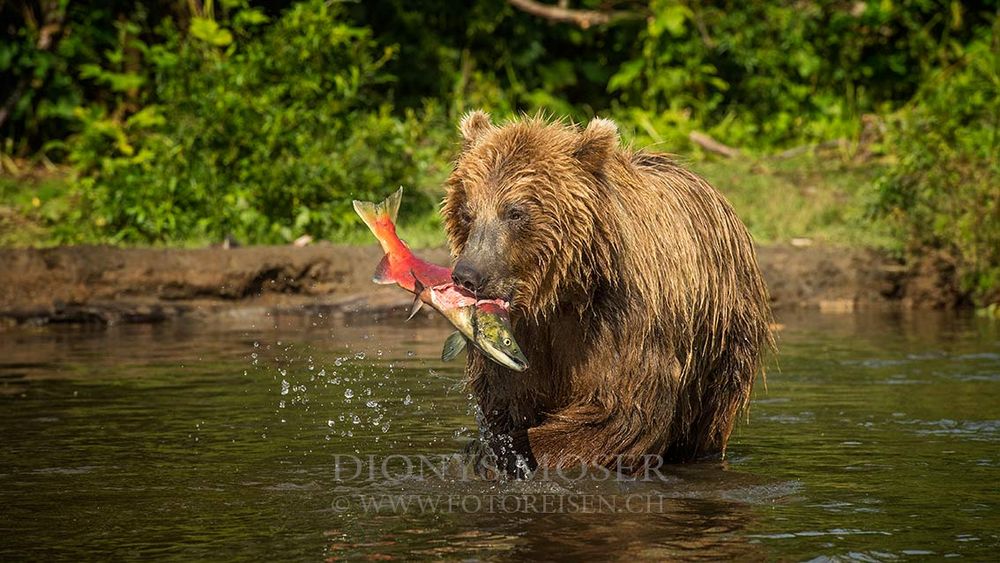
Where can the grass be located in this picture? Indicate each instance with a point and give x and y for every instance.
(823, 198)
(29, 204)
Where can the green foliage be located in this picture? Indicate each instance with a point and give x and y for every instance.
(944, 190)
(267, 138)
(186, 121)
(761, 74)
(58, 55)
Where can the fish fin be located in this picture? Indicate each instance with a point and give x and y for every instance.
(391, 203)
(417, 304)
(453, 346)
(383, 275)
(371, 212)
(418, 288)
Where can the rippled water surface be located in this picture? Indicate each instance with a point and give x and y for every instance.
(877, 438)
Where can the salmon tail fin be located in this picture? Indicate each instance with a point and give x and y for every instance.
(383, 274)
(371, 212)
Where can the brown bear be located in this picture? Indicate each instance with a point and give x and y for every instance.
(634, 290)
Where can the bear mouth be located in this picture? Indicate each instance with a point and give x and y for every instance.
(458, 296)
(501, 303)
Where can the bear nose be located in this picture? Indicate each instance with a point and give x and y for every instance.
(468, 277)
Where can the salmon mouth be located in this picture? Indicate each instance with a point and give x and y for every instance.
(517, 362)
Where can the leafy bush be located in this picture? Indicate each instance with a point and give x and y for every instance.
(48, 48)
(760, 74)
(265, 136)
(186, 121)
(485, 53)
(944, 190)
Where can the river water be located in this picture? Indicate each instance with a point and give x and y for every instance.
(877, 438)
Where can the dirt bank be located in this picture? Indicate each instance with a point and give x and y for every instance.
(110, 285)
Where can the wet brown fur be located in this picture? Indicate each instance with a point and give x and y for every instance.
(636, 295)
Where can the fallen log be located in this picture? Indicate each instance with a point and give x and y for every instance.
(713, 146)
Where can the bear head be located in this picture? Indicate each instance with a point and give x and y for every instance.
(524, 207)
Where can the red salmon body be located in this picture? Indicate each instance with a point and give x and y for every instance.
(400, 264)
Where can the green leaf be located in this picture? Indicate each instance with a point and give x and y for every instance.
(626, 74)
(209, 31)
(251, 16)
(672, 19)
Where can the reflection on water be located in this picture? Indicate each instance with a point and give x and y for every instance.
(877, 438)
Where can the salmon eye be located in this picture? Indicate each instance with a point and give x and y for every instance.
(506, 341)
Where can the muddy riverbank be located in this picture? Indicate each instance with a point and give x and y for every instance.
(99, 284)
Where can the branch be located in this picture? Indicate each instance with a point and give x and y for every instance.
(583, 18)
(802, 149)
(711, 145)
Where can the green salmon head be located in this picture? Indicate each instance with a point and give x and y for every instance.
(495, 337)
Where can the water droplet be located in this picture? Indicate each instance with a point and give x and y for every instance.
(284, 387)
(359, 356)
(348, 393)
(372, 404)
(356, 419)
(407, 400)
(330, 423)
(410, 353)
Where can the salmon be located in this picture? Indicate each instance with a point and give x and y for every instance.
(484, 322)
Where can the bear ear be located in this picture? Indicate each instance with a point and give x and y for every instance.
(473, 126)
(597, 142)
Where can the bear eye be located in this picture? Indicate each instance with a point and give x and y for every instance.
(464, 215)
(515, 214)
